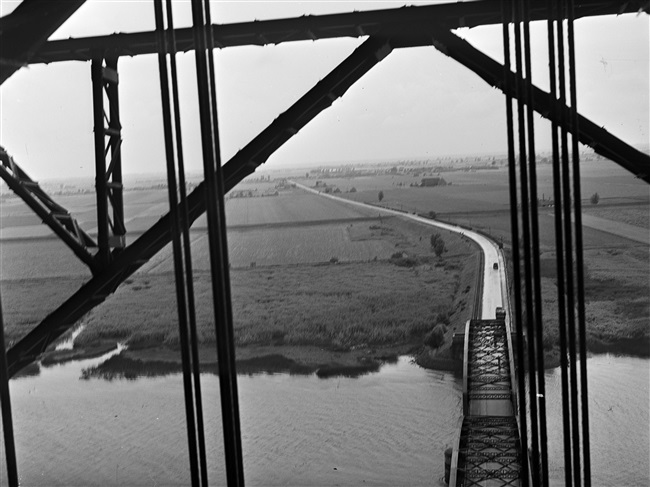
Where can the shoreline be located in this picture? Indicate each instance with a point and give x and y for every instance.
(299, 360)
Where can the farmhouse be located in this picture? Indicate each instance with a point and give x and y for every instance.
(427, 182)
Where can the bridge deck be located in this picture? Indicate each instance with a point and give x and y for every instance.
(488, 452)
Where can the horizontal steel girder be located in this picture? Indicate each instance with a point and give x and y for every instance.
(52, 214)
(355, 24)
(126, 262)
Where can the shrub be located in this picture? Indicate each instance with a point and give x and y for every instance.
(405, 262)
(444, 316)
(438, 244)
(380, 195)
(435, 337)
(595, 198)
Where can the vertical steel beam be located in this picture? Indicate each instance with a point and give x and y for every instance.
(114, 175)
(103, 254)
(108, 180)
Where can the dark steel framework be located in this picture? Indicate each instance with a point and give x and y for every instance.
(489, 446)
(111, 261)
(108, 159)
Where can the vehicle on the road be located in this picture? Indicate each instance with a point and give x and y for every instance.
(495, 265)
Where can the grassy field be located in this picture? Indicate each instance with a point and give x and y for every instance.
(617, 287)
(336, 306)
(327, 277)
(357, 307)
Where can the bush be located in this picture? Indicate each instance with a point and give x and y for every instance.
(438, 244)
(435, 337)
(595, 198)
(444, 316)
(407, 262)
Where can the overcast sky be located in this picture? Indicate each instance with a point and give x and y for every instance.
(417, 103)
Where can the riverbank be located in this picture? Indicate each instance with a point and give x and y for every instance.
(302, 360)
(160, 360)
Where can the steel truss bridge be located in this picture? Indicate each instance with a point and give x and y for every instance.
(24, 41)
(488, 447)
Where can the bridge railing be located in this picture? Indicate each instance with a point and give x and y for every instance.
(466, 370)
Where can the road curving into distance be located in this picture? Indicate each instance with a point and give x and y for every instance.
(494, 281)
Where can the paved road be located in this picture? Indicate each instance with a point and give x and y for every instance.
(493, 280)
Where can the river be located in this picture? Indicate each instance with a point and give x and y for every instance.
(384, 428)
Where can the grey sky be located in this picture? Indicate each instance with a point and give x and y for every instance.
(415, 104)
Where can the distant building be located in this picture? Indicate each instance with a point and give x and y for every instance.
(427, 182)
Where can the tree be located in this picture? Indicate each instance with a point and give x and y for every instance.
(594, 199)
(438, 244)
(353, 189)
(380, 195)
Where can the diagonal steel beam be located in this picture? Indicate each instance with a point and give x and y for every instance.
(24, 30)
(599, 139)
(355, 24)
(52, 214)
(130, 259)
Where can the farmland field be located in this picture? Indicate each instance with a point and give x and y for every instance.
(284, 245)
(284, 240)
(639, 216)
(615, 235)
(485, 189)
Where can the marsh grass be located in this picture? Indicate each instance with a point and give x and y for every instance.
(337, 306)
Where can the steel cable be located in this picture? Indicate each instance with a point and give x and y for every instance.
(568, 249)
(176, 244)
(229, 342)
(537, 338)
(512, 178)
(577, 209)
(5, 405)
(522, 95)
(559, 244)
(217, 244)
(187, 250)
